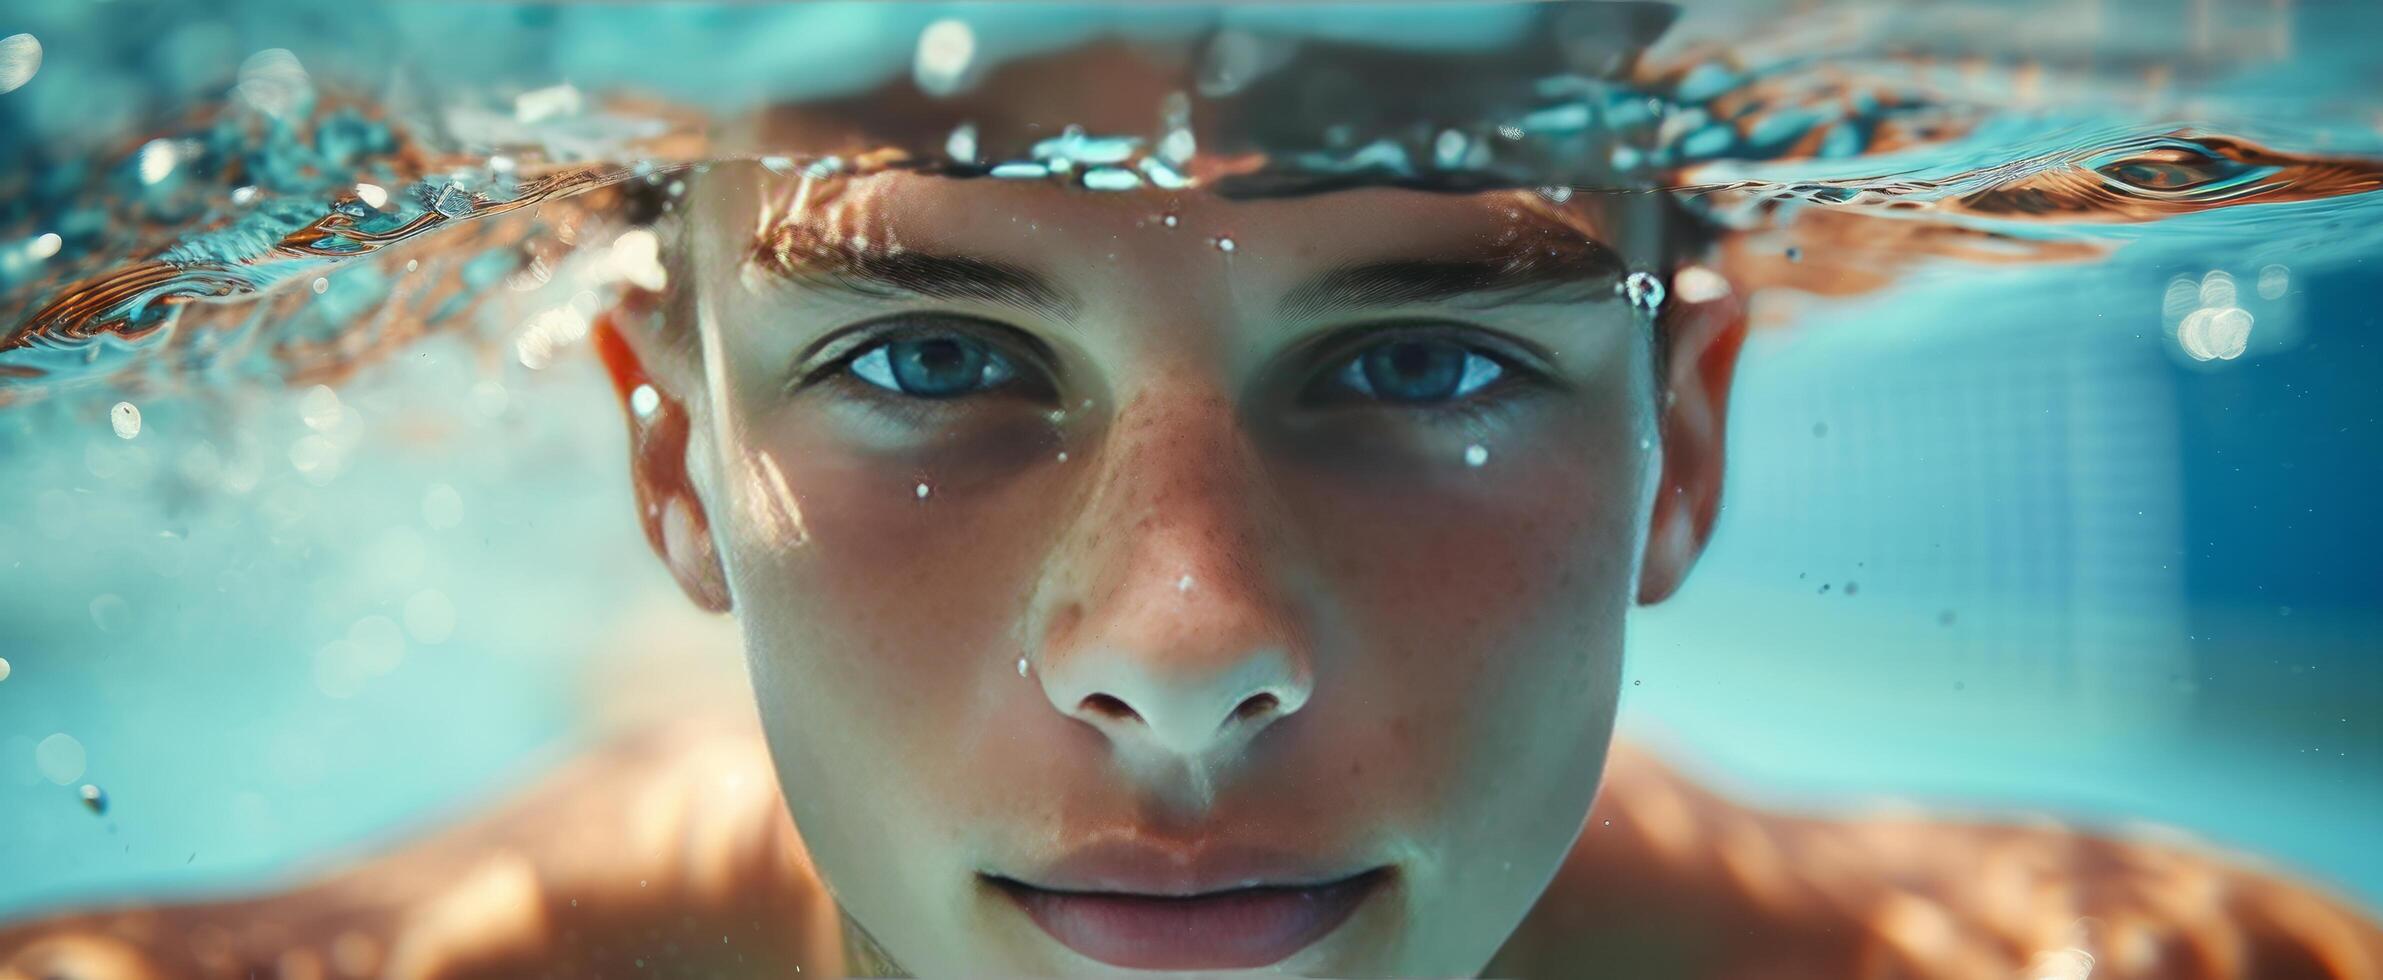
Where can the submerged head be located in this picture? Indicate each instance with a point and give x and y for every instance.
(1096, 550)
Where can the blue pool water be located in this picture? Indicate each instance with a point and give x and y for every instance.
(2090, 538)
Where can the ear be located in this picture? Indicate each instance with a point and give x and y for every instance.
(1705, 324)
(667, 504)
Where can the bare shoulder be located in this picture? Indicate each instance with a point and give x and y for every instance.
(667, 848)
(1672, 879)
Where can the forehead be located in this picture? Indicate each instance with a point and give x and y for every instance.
(1069, 231)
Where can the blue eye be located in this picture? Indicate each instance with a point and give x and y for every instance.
(933, 366)
(1419, 371)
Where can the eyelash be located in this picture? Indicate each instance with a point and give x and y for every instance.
(876, 339)
(1487, 375)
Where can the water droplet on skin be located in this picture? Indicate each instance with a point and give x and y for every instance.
(644, 400)
(1063, 455)
(1476, 455)
(1645, 444)
(1170, 221)
(1644, 291)
(413, 264)
(923, 491)
(1225, 245)
(125, 418)
(1183, 584)
(95, 798)
(1021, 666)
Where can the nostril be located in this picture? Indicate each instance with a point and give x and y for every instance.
(1109, 706)
(1257, 704)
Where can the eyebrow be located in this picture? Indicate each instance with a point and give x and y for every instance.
(1585, 272)
(1539, 276)
(880, 273)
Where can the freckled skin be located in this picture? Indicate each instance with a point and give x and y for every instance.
(1458, 628)
(1454, 630)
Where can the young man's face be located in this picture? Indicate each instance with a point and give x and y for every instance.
(1100, 555)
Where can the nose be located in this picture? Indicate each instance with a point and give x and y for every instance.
(1167, 616)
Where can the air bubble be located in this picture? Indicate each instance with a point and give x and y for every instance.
(2274, 281)
(1021, 666)
(3, 668)
(1448, 151)
(644, 401)
(1111, 179)
(44, 245)
(319, 408)
(442, 507)
(20, 60)
(1476, 455)
(1170, 220)
(108, 611)
(95, 799)
(125, 418)
(1225, 245)
(945, 50)
(2217, 289)
(924, 490)
(321, 285)
(157, 160)
(60, 758)
(429, 616)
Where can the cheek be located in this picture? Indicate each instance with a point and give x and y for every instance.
(1479, 618)
(895, 606)
(1461, 565)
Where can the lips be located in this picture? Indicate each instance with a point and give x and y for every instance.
(1158, 909)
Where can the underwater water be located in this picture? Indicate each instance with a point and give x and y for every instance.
(2053, 456)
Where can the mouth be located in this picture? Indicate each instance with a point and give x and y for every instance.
(1226, 929)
